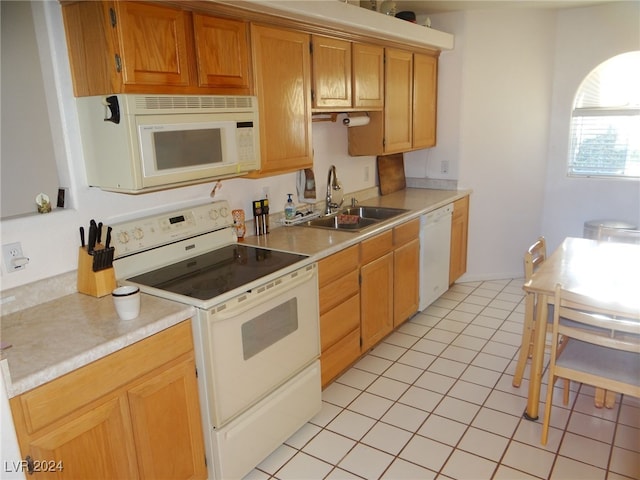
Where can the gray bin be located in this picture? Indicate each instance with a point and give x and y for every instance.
(609, 230)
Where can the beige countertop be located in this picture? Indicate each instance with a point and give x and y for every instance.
(59, 336)
(319, 243)
(53, 338)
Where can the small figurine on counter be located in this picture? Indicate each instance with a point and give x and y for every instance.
(44, 205)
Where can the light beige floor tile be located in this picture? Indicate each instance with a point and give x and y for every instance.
(403, 373)
(339, 394)
(351, 424)
(388, 388)
(484, 444)
(417, 359)
(388, 351)
(500, 349)
(469, 307)
(405, 416)
(327, 413)
(421, 398)
(447, 367)
(591, 427)
(528, 459)
(373, 364)
(440, 335)
(507, 473)
(479, 331)
(443, 430)
(357, 378)
(506, 402)
(458, 410)
(387, 438)
(426, 452)
(496, 422)
(413, 328)
(303, 435)
(625, 462)
(304, 467)
(329, 446)
(456, 321)
(366, 461)
(277, 459)
(401, 339)
(472, 343)
(628, 438)
(469, 392)
(490, 362)
(509, 338)
(370, 405)
(458, 354)
(481, 376)
(465, 466)
(339, 474)
(425, 320)
(428, 346)
(629, 415)
(567, 469)
(435, 382)
(585, 450)
(479, 300)
(403, 470)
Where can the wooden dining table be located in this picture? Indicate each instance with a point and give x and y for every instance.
(604, 271)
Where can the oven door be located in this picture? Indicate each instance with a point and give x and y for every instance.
(257, 341)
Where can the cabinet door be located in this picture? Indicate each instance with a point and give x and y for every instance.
(153, 40)
(406, 281)
(368, 76)
(376, 300)
(459, 234)
(425, 80)
(98, 445)
(282, 80)
(165, 415)
(398, 116)
(331, 72)
(222, 53)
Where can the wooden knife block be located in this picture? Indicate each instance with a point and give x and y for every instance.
(97, 284)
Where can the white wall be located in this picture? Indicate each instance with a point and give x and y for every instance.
(51, 241)
(498, 81)
(586, 37)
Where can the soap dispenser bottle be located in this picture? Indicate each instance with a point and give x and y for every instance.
(289, 208)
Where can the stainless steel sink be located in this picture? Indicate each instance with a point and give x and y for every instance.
(354, 219)
(378, 213)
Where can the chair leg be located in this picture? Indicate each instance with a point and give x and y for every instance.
(565, 395)
(609, 399)
(547, 409)
(525, 344)
(598, 401)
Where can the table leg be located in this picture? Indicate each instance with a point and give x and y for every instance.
(537, 359)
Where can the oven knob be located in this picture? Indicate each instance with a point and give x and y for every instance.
(138, 233)
(213, 214)
(123, 237)
(224, 211)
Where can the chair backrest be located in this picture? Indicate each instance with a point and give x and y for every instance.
(607, 325)
(534, 256)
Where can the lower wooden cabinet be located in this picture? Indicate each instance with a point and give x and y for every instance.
(459, 237)
(406, 271)
(132, 414)
(339, 282)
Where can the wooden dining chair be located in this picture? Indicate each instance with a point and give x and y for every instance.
(603, 348)
(535, 255)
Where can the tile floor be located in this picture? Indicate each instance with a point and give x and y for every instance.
(434, 400)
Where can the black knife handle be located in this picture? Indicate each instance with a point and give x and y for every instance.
(93, 232)
(82, 237)
(99, 234)
(107, 243)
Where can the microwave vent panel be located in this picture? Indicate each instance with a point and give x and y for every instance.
(184, 103)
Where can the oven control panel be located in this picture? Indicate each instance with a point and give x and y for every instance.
(145, 233)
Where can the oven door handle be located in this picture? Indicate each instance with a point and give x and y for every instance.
(265, 292)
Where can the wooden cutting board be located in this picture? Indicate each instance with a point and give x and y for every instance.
(391, 173)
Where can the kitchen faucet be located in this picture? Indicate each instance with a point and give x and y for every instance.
(331, 186)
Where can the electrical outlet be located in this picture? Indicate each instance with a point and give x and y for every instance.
(366, 173)
(444, 166)
(13, 257)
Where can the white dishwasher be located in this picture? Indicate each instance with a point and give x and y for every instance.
(435, 249)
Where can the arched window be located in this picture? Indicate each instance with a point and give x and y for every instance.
(605, 122)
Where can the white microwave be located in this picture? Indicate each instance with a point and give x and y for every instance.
(141, 143)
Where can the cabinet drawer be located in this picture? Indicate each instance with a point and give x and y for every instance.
(376, 247)
(339, 321)
(338, 291)
(406, 232)
(338, 264)
(340, 356)
(58, 398)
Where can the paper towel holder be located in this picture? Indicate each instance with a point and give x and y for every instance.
(357, 121)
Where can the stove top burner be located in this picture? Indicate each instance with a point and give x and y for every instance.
(214, 273)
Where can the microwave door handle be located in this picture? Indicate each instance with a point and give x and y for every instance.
(112, 110)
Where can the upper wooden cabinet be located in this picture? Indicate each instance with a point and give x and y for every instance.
(368, 76)
(134, 47)
(222, 52)
(282, 70)
(346, 75)
(331, 68)
(425, 85)
(409, 117)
